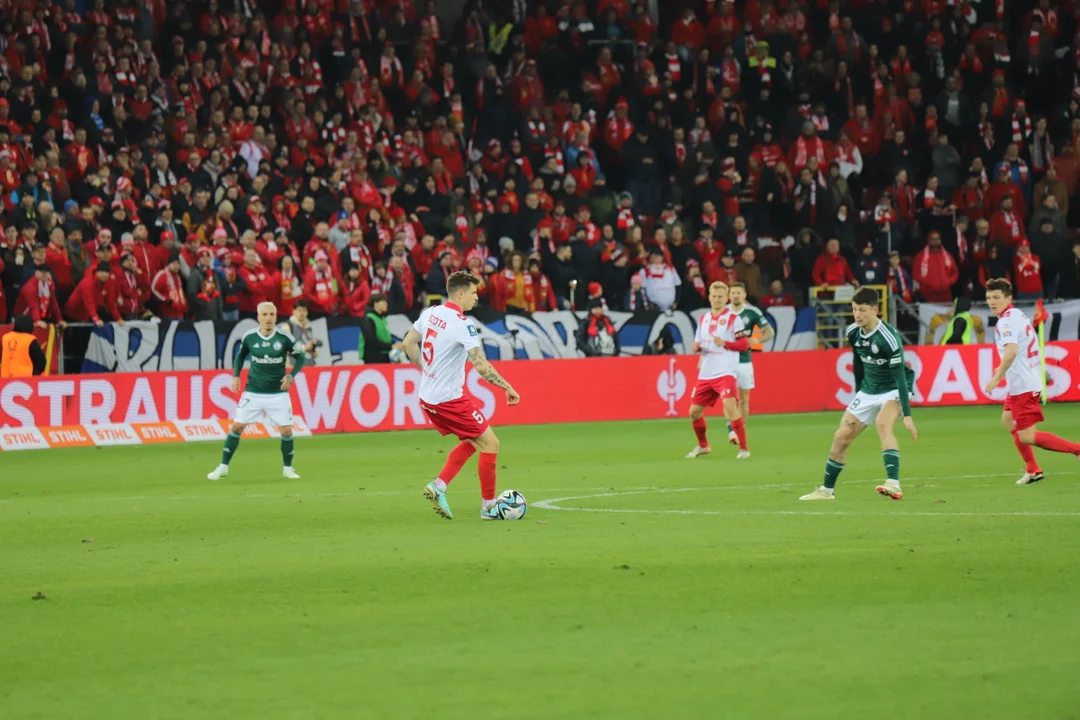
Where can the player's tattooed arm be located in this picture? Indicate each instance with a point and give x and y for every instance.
(486, 369)
(411, 346)
(767, 332)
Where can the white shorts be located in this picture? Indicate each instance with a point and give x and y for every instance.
(865, 407)
(277, 408)
(744, 373)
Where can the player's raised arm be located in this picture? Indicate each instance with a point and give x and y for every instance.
(489, 373)
(411, 346)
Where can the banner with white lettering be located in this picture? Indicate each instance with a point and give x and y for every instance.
(187, 406)
(165, 347)
(1063, 323)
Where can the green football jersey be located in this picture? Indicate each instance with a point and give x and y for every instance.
(268, 356)
(751, 318)
(879, 352)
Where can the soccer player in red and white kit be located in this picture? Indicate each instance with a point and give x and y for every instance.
(1018, 347)
(720, 337)
(439, 343)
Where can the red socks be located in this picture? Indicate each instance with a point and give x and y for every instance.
(739, 426)
(1027, 454)
(1050, 441)
(486, 470)
(456, 460)
(699, 430)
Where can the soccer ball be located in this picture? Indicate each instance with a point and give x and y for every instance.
(397, 355)
(510, 505)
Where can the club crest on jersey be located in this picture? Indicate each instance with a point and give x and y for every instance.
(873, 348)
(277, 346)
(472, 331)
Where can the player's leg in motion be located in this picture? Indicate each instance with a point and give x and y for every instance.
(1032, 472)
(232, 442)
(697, 421)
(738, 425)
(849, 429)
(890, 449)
(488, 445)
(1047, 441)
(455, 460)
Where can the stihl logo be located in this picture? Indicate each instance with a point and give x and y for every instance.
(671, 386)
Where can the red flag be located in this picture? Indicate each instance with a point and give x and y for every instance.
(1041, 315)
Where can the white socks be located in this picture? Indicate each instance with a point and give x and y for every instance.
(440, 484)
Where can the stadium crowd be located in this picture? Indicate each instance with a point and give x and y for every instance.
(192, 159)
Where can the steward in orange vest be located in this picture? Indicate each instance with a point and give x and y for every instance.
(20, 353)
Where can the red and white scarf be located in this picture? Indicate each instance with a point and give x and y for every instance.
(674, 66)
(1019, 135)
(44, 298)
(390, 73)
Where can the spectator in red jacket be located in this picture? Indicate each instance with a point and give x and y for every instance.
(322, 287)
(1007, 226)
(688, 34)
(94, 299)
(59, 262)
(133, 289)
(258, 285)
(935, 270)
(777, 297)
(168, 291)
(1028, 273)
(356, 293)
(831, 268)
(38, 299)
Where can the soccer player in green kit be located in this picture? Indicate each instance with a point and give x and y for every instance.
(744, 375)
(882, 384)
(267, 391)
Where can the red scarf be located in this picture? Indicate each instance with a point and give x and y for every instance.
(595, 321)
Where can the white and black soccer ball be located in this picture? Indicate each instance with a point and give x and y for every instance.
(510, 505)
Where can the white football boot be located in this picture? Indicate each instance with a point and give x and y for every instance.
(822, 493)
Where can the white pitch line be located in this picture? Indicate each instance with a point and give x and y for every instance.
(556, 503)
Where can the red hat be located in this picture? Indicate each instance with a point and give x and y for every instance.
(1020, 103)
(205, 251)
(595, 289)
(728, 164)
(167, 235)
(221, 252)
(123, 184)
(163, 203)
(97, 202)
(397, 212)
(118, 204)
(220, 233)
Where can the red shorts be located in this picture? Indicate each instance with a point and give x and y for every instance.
(1026, 409)
(457, 417)
(707, 392)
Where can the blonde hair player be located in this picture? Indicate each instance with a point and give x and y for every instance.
(267, 391)
(439, 343)
(1020, 368)
(882, 384)
(720, 337)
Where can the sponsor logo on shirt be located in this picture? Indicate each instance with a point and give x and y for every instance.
(267, 360)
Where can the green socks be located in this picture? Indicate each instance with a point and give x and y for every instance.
(892, 464)
(231, 443)
(286, 450)
(832, 471)
(728, 423)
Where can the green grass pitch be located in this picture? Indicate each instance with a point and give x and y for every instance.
(657, 588)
